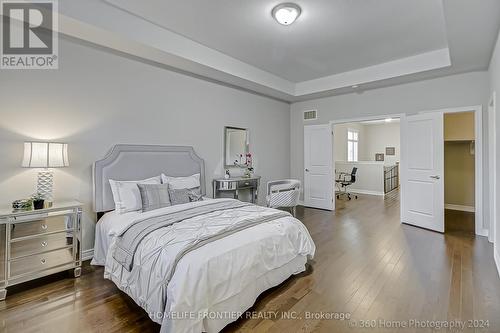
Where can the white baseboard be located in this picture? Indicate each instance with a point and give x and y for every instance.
(482, 232)
(497, 259)
(87, 254)
(366, 192)
(461, 208)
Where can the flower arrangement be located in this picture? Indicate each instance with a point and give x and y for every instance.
(248, 160)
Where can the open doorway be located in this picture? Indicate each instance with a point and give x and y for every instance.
(366, 158)
(416, 160)
(459, 172)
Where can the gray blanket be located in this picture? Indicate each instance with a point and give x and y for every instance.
(129, 239)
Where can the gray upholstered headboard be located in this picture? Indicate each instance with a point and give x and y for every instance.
(134, 162)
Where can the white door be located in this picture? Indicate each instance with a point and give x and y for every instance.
(318, 171)
(422, 176)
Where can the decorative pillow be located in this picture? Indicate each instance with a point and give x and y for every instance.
(195, 195)
(183, 195)
(180, 196)
(126, 194)
(177, 183)
(154, 196)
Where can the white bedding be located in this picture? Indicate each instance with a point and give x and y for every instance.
(111, 224)
(222, 278)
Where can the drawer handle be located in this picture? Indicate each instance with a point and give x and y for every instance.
(43, 261)
(44, 244)
(44, 226)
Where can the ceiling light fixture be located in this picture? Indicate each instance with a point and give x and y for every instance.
(286, 13)
(354, 86)
(388, 120)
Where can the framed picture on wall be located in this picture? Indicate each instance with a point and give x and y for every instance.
(379, 157)
(390, 150)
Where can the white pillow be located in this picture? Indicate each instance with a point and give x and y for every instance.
(126, 193)
(178, 183)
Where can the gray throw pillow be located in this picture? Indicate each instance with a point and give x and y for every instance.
(195, 194)
(179, 196)
(185, 195)
(154, 196)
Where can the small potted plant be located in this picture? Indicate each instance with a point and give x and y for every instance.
(248, 172)
(38, 201)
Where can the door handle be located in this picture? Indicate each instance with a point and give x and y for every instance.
(307, 170)
(435, 177)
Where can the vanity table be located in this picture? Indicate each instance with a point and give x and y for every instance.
(237, 155)
(235, 185)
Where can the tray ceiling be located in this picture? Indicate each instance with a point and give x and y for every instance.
(330, 36)
(335, 45)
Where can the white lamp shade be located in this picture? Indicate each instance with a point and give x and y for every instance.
(45, 155)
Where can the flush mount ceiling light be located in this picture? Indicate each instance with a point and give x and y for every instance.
(388, 120)
(286, 13)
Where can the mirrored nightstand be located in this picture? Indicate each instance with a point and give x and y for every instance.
(41, 242)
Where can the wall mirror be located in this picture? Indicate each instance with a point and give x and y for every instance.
(236, 146)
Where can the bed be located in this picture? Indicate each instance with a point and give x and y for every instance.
(205, 267)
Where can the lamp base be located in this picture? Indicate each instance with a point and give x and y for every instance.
(44, 184)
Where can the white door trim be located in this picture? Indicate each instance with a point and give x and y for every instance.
(478, 123)
(492, 166)
(366, 118)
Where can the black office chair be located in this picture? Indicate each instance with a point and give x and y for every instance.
(344, 181)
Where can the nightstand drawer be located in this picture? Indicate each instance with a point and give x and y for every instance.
(247, 183)
(40, 244)
(39, 227)
(40, 262)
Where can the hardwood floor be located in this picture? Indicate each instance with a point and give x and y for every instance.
(367, 265)
(455, 220)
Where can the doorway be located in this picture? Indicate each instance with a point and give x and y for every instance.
(321, 159)
(422, 192)
(441, 170)
(366, 157)
(459, 172)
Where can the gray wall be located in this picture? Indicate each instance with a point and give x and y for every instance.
(97, 99)
(380, 136)
(340, 141)
(452, 91)
(494, 76)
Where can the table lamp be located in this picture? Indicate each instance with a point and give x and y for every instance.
(45, 155)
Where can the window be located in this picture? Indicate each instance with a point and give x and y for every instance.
(352, 145)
